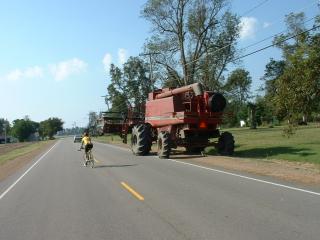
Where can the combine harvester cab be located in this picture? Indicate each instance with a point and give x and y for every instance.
(182, 117)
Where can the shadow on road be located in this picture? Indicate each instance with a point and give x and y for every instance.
(179, 154)
(112, 166)
(273, 151)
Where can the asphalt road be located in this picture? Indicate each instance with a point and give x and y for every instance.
(143, 198)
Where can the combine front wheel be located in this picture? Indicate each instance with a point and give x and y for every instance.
(141, 139)
(225, 144)
(164, 145)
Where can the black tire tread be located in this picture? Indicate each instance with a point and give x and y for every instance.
(226, 144)
(143, 144)
(164, 152)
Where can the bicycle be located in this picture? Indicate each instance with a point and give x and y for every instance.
(88, 158)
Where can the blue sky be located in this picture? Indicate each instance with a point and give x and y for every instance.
(54, 53)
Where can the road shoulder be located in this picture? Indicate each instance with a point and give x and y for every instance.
(14, 165)
(297, 172)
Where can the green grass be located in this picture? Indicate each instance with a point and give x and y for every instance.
(269, 143)
(110, 139)
(20, 151)
(265, 143)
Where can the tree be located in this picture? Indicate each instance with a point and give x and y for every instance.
(274, 69)
(238, 85)
(297, 91)
(129, 86)
(192, 41)
(4, 125)
(23, 128)
(237, 90)
(50, 127)
(92, 125)
(264, 112)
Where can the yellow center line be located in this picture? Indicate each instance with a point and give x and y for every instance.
(133, 192)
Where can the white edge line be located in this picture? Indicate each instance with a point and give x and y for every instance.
(245, 177)
(229, 173)
(18, 180)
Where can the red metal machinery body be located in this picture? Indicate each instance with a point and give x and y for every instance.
(190, 115)
(186, 116)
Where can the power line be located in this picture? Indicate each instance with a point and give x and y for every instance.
(272, 45)
(246, 12)
(267, 38)
(254, 8)
(228, 45)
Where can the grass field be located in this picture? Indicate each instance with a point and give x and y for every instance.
(12, 154)
(269, 143)
(112, 139)
(266, 143)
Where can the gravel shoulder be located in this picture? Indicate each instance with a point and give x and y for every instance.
(304, 173)
(298, 172)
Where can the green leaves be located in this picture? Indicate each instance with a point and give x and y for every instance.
(195, 39)
(50, 127)
(129, 86)
(293, 84)
(23, 128)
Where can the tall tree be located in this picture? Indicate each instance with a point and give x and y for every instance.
(129, 86)
(193, 41)
(92, 125)
(238, 85)
(274, 69)
(23, 128)
(237, 90)
(4, 126)
(298, 88)
(49, 127)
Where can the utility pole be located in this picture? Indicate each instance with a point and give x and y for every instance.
(106, 101)
(151, 66)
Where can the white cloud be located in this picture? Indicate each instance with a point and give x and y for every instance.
(248, 27)
(30, 73)
(34, 72)
(266, 24)
(14, 75)
(64, 69)
(122, 56)
(107, 59)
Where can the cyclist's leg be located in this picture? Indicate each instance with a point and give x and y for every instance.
(86, 155)
(91, 158)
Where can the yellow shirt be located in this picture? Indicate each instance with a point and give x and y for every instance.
(86, 140)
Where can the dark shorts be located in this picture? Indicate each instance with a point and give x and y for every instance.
(88, 147)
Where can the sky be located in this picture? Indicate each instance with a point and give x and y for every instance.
(55, 54)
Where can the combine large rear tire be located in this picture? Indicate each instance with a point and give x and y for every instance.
(164, 145)
(226, 144)
(141, 139)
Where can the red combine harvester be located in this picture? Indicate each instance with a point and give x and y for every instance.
(182, 117)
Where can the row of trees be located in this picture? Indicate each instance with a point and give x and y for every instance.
(195, 41)
(292, 84)
(23, 129)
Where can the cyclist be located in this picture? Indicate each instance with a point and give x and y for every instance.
(86, 140)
